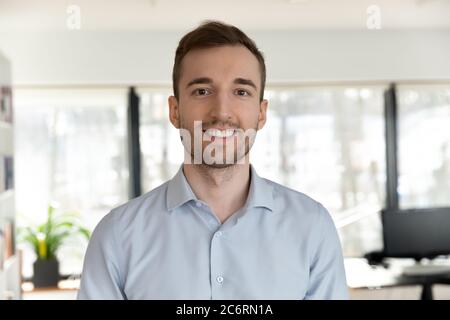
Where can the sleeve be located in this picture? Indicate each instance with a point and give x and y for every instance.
(327, 279)
(100, 279)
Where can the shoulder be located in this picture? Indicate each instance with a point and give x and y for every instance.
(132, 211)
(305, 219)
(296, 203)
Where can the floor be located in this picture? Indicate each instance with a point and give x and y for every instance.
(441, 292)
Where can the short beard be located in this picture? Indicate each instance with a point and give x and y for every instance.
(223, 165)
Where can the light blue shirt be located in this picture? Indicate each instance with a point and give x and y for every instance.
(167, 244)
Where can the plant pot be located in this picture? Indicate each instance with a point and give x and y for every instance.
(46, 273)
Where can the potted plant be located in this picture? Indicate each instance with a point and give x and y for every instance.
(46, 239)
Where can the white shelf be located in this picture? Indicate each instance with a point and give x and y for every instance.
(6, 195)
(6, 138)
(7, 204)
(10, 279)
(10, 263)
(3, 287)
(10, 273)
(5, 125)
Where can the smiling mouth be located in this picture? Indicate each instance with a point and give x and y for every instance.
(221, 134)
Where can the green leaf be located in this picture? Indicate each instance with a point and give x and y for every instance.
(57, 228)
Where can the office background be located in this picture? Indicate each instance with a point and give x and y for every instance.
(332, 73)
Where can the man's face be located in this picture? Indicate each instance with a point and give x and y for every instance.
(221, 88)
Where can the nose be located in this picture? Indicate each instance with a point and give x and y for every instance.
(222, 109)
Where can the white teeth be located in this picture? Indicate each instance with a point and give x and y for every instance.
(229, 132)
(220, 133)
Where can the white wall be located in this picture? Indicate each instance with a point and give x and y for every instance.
(358, 55)
(77, 57)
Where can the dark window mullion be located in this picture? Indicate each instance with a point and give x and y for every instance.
(391, 132)
(134, 148)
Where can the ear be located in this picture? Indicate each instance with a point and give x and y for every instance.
(262, 113)
(174, 112)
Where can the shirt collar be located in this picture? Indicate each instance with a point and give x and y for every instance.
(178, 191)
(260, 192)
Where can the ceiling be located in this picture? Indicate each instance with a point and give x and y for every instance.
(40, 15)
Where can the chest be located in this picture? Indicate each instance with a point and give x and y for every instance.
(218, 265)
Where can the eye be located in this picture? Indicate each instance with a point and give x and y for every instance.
(242, 93)
(201, 91)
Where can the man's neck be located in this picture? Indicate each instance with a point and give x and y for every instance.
(225, 190)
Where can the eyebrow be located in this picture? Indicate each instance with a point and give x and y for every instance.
(246, 82)
(199, 81)
(206, 80)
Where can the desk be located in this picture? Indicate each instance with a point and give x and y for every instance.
(66, 290)
(361, 275)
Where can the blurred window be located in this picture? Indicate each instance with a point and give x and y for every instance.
(424, 146)
(70, 148)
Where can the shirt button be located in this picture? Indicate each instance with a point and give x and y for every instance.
(218, 234)
(219, 279)
(198, 204)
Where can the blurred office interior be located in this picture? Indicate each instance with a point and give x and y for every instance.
(359, 119)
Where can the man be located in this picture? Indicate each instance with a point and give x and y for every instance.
(216, 230)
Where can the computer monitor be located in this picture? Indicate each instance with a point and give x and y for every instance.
(416, 233)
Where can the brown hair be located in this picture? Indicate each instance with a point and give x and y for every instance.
(214, 34)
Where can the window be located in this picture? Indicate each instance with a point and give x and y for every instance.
(424, 146)
(70, 148)
(161, 147)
